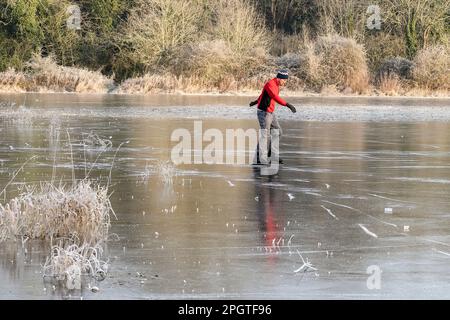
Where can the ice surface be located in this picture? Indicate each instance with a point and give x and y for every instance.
(225, 231)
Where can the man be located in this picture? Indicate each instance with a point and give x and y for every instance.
(268, 122)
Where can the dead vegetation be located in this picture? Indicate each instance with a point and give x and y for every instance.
(390, 84)
(43, 74)
(335, 61)
(80, 211)
(432, 68)
(69, 263)
(74, 218)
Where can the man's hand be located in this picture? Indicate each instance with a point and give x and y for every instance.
(253, 103)
(290, 106)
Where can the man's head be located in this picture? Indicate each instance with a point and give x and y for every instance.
(282, 77)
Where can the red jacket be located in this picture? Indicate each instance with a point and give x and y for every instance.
(270, 95)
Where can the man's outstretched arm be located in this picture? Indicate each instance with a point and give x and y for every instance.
(277, 98)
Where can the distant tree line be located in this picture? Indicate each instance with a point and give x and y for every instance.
(126, 38)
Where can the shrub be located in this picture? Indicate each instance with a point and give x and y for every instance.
(432, 66)
(210, 60)
(334, 61)
(344, 17)
(288, 61)
(215, 65)
(287, 15)
(381, 46)
(421, 23)
(235, 49)
(156, 31)
(399, 67)
(213, 62)
(32, 25)
(238, 24)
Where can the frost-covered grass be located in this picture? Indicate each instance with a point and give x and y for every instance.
(212, 67)
(77, 216)
(432, 68)
(80, 211)
(333, 60)
(150, 83)
(13, 81)
(74, 218)
(69, 263)
(45, 75)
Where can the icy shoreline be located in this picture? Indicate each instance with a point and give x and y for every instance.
(341, 109)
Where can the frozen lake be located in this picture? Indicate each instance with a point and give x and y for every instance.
(365, 186)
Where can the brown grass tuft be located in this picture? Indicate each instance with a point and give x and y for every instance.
(390, 84)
